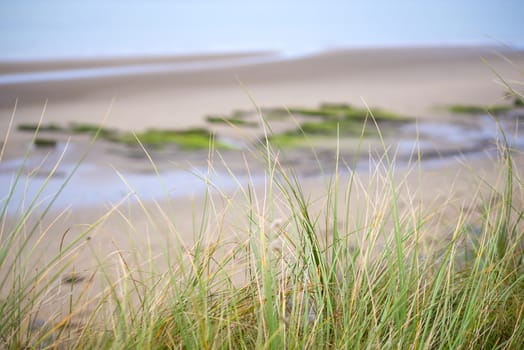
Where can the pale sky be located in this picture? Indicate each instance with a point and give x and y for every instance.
(111, 27)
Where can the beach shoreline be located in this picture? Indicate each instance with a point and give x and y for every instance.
(13, 66)
(46, 64)
(408, 81)
(416, 82)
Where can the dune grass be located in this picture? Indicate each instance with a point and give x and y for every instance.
(353, 271)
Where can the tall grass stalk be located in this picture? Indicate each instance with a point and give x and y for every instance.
(275, 265)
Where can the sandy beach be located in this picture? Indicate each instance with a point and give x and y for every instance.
(416, 82)
(409, 81)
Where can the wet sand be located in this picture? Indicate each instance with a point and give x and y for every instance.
(12, 67)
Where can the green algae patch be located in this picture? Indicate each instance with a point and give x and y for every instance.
(343, 111)
(92, 129)
(315, 112)
(232, 120)
(32, 127)
(44, 143)
(191, 139)
(334, 128)
(319, 132)
(319, 124)
(474, 109)
(73, 128)
(336, 120)
(288, 139)
(238, 118)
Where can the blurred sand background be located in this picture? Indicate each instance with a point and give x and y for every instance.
(411, 81)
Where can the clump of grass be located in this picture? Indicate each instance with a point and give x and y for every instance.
(347, 270)
(471, 109)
